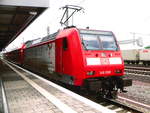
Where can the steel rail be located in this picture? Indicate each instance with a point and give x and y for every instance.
(4, 98)
(138, 72)
(132, 101)
(138, 68)
(121, 106)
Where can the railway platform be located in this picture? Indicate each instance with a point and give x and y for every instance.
(24, 92)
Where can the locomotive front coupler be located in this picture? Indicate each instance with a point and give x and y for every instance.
(122, 83)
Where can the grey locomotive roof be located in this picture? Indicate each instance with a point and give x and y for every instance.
(40, 40)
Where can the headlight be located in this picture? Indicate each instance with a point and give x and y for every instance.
(90, 72)
(118, 71)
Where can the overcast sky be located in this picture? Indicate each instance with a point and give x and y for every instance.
(120, 16)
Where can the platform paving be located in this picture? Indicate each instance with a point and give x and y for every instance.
(22, 97)
(1, 101)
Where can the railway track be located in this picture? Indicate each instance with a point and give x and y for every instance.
(4, 104)
(119, 107)
(141, 71)
(112, 104)
(138, 67)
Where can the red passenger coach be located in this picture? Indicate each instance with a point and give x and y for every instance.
(79, 57)
(16, 56)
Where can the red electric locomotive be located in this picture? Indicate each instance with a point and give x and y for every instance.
(78, 57)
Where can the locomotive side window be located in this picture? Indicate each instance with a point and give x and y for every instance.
(65, 44)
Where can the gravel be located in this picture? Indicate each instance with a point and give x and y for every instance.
(139, 91)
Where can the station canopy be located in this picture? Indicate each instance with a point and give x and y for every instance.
(16, 15)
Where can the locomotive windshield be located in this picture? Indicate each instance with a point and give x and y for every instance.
(97, 40)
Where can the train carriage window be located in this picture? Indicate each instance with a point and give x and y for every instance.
(65, 44)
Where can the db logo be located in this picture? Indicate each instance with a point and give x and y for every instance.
(104, 61)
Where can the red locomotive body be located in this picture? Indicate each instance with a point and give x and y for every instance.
(79, 57)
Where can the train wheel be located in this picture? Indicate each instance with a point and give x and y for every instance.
(144, 63)
(114, 94)
(148, 63)
(137, 62)
(108, 94)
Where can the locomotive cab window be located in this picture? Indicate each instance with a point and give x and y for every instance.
(98, 40)
(65, 44)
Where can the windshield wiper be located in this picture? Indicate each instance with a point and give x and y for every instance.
(84, 44)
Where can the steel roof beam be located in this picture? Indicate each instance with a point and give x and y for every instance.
(14, 12)
(32, 3)
(1, 40)
(6, 35)
(11, 14)
(1, 24)
(1, 32)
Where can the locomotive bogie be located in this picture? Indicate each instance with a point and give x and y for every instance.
(107, 86)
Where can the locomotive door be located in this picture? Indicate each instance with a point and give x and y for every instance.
(61, 55)
(64, 55)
